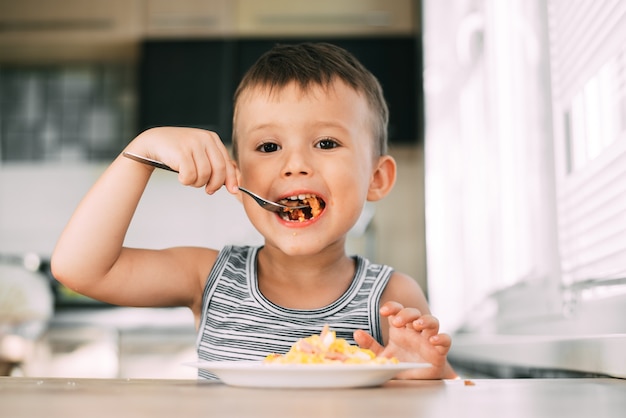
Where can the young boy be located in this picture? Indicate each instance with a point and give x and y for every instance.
(309, 125)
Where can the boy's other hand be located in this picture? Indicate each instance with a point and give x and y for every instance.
(413, 337)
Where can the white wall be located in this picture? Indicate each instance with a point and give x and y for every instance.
(36, 201)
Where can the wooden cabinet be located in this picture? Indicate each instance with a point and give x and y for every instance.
(67, 19)
(188, 18)
(326, 17)
(193, 18)
(48, 31)
(59, 30)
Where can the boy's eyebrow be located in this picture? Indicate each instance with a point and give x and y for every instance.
(318, 124)
(262, 126)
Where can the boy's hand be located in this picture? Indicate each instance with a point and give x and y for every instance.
(198, 155)
(413, 337)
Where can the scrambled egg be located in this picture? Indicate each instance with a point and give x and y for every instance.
(326, 348)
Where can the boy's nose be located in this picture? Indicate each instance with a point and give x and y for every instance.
(296, 163)
(288, 171)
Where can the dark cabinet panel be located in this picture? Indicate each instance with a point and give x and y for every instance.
(186, 83)
(191, 83)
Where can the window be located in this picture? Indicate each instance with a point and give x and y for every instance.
(588, 57)
(596, 117)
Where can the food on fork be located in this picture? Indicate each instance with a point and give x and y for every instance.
(326, 348)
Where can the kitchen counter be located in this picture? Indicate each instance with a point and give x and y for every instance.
(511, 354)
(68, 398)
(145, 343)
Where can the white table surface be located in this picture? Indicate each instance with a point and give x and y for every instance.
(68, 398)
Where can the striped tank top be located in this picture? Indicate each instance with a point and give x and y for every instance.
(239, 323)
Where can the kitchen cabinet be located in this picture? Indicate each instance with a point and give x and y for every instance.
(52, 31)
(188, 18)
(127, 343)
(326, 17)
(186, 83)
(193, 18)
(43, 30)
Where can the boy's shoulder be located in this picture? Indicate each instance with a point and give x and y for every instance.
(406, 290)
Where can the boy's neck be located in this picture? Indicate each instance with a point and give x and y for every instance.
(304, 282)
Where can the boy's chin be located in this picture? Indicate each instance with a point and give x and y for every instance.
(303, 248)
(292, 250)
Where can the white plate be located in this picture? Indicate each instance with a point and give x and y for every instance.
(258, 374)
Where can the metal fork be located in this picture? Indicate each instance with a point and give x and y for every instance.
(264, 203)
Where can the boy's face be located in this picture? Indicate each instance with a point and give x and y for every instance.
(315, 144)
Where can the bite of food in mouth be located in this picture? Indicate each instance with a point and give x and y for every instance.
(314, 204)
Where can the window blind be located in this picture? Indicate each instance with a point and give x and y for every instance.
(588, 70)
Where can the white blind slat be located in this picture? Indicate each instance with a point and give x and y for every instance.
(588, 64)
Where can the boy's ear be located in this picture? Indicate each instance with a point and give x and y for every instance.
(383, 178)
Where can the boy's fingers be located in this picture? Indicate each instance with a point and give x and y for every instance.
(187, 171)
(225, 172)
(365, 340)
(390, 308)
(441, 343)
(214, 165)
(212, 153)
(441, 340)
(194, 167)
(217, 177)
(427, 324)
(406, 317)
(205, 167)
(231, 174)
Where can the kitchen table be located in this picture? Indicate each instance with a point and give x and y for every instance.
(68, 398)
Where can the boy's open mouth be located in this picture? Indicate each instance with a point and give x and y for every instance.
(315, 206)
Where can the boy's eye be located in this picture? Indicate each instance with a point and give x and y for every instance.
(327, 143)
(268, 147)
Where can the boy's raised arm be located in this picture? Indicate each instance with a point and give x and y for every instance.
(90, 257)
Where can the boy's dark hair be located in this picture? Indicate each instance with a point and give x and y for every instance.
(318, 64)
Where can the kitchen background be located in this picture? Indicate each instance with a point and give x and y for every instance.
(507, 121)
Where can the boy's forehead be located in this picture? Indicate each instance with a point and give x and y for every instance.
(271, 92)
(254, 99)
